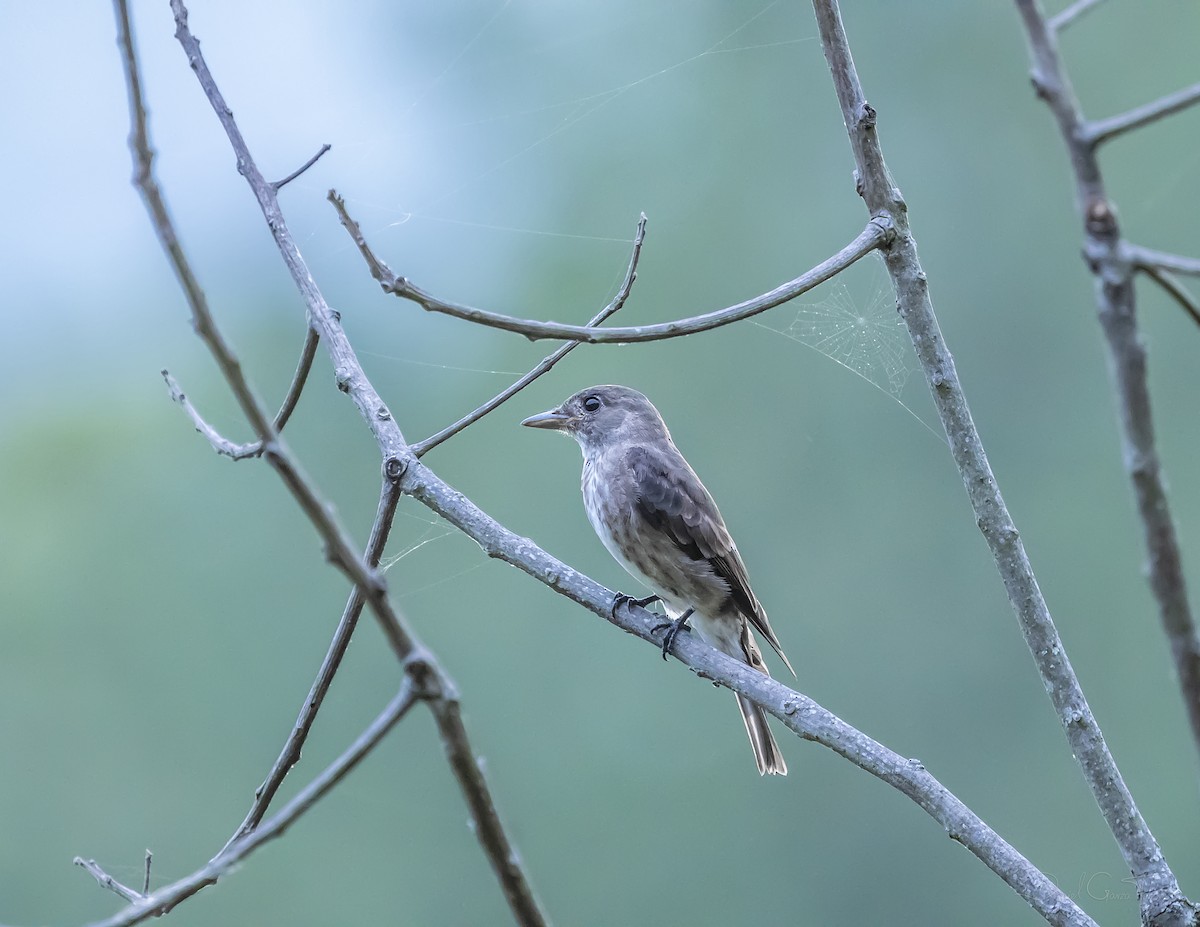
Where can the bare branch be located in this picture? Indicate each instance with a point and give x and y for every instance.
(875, 235)
(1112, 261)
(1102, 130)
(546, 363)
(389, 496)
(164, 899)
(280, 184)
(351, 380)
(339, 547)
(1145, 258)
(107, 881)
(1060, 21)
(223, 445)
(220, 444)
(299, 378)
(146, 880)
(1156, 884)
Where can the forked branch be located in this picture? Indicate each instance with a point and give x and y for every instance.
(1112, 262)
(876, 235)
(546, 363)
(426, 676)
(1156, 883)
(1103, 130)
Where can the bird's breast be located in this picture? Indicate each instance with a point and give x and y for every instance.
(643, 549)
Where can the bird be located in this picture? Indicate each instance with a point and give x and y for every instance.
(661, 524)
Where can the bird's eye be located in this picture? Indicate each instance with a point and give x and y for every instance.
(591, 404)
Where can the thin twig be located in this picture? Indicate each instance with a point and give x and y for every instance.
(219, 442)
(389, 496)
(1112, 262)
(1175, 289)
(107, 881)
(164, 899)
(299, 378)
(146, 880)
(421, 448)
(280, 184)
(232, 449)
(1103, 130)
(876, 234)
(1143, 258)
(1063, 19)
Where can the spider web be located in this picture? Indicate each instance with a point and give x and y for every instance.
(856, 326)
(864, 335)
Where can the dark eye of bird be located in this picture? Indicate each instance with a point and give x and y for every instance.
(591, 404)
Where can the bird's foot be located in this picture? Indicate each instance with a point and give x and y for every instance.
(622, 599)
(673, 629)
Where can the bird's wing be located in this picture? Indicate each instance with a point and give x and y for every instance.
(671, 498)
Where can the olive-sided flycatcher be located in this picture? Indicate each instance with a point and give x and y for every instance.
(661, 524)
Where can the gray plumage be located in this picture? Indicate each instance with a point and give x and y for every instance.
(660, 523)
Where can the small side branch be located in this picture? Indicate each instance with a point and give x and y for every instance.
(876, 235)
(1145, 258)
(280, 184)
(547, 362)
(1103, 130)
(299, 378)
(1070, 14)
(232, 449)
(107, 881)
(220, 444)
(1174, 289)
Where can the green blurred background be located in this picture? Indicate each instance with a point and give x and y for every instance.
(165, 609)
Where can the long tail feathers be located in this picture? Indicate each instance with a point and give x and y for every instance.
(766, 751)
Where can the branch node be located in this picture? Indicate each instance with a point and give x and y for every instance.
(867, 116)
(394, 469)
(1100, 218)
(428, 683)
(883, 220)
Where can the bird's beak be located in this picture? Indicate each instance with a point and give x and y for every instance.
(554, 419)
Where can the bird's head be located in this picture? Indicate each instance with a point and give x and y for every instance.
(600, 416)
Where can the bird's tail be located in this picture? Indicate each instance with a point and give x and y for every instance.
(766, 751)
(731, 634)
